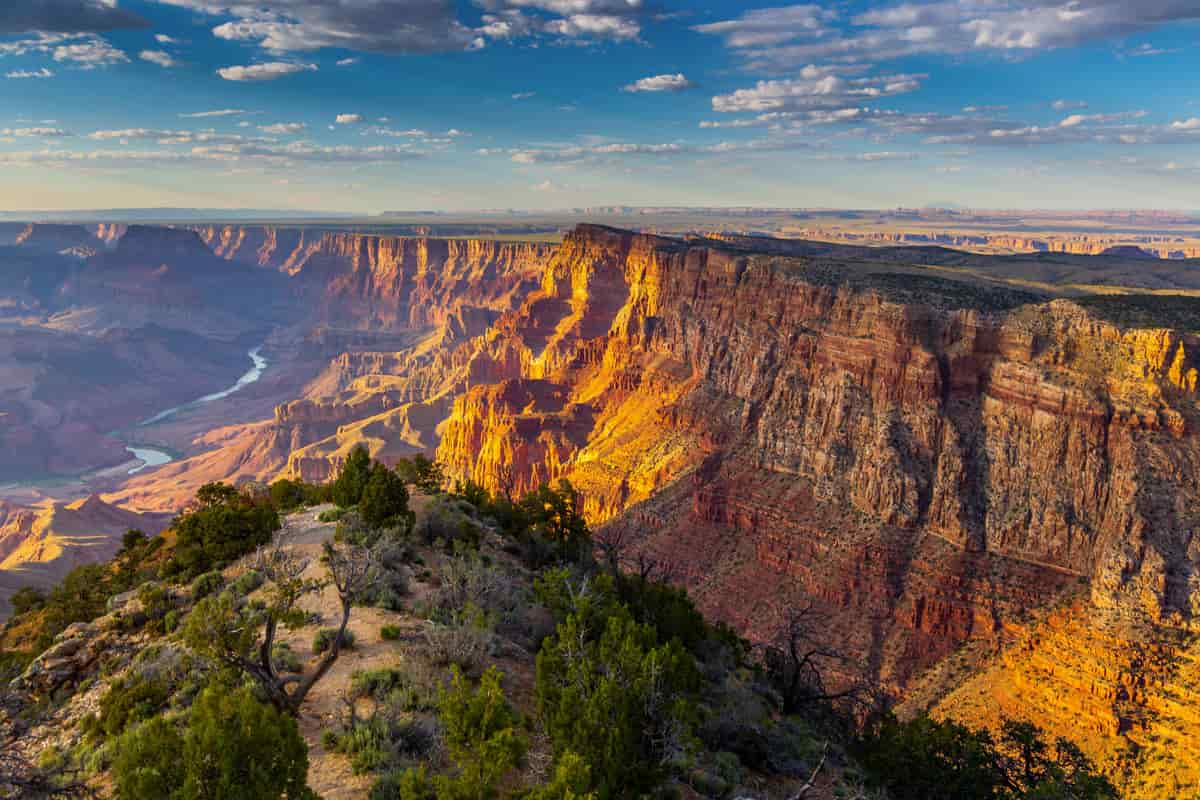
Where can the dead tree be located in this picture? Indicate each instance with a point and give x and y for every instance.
(611, 543)
(242, 635)
(799, 657)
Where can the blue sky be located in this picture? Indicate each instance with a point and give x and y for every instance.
(365, 105)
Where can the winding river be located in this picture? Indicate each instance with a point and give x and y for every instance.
(153, 457)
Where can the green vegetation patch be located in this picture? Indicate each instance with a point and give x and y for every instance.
(1178, 312)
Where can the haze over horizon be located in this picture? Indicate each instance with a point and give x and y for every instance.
(380, 104)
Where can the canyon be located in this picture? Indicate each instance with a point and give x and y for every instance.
(986, 480)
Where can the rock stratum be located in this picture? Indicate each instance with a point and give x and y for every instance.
(935, 463)
(991, 493)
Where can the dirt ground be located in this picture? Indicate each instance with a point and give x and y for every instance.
(329, 774)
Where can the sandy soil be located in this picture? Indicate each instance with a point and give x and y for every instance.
(329, 774)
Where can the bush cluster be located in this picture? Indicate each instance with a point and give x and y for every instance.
(222, 526)
(323, 640)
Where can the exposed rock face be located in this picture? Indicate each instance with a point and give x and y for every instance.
(387, 281)
(388, 388)
(924, 469)
(1136, 246)
(54, 238)
(39, 546)
(927, 459)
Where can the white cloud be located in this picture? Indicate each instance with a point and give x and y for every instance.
(816, 88)
(348, 119)
(785, 38)
(33, 132)
(886, 155)
(1063, 105)
(523, 95)
(608, 151)
(94, 52)
(268, 71)
(220, 112)
(1080, 119)
(660, 83)
(1191, 124)
(170, 137)
(380, 26)
(410, 133)
(25, 73)
(264, 154)
(1148, 50)
(346, 62)
(605, 26)
(163, 38)
(160, 57)
(772, 26)
(282, 128)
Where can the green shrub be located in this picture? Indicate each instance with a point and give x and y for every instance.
(384, 499)
(284, 659)
(383, 741)
(933, 760)
(389, 632)
(150, 762)
(206, 584)
(156, 602)
(367, 745)
(621, 702)
(347, 490)
(420, 471)
(377, 683)
(223, 526)
(26, 599)
(247, 582)
(331, 514)
(409, 784)
(127, 701)
(234, 748)
(289, 495)
(171, 621)
(324, 640)
(571, 779)
(481, 735)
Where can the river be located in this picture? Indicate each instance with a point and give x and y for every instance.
(153, 457)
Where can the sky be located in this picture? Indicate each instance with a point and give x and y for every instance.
(362, 106)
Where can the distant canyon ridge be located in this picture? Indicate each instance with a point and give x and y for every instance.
(978, 467)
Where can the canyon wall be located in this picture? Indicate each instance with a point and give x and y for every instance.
(1135, 245)
(387, 281)
(926, 470)
(935, 462)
